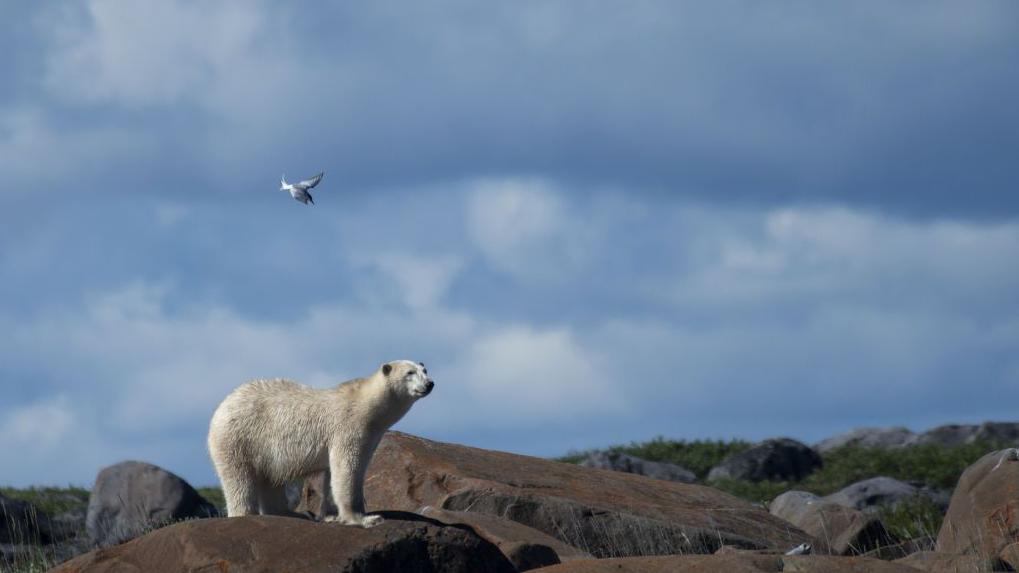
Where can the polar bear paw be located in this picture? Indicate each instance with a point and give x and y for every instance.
(364, 521)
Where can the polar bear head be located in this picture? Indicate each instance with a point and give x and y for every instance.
(408, 378)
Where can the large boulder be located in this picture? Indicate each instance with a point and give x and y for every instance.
(840, 530)
(604, 513)
(621, 462)
(525, 547)
(780, 459)
(131, 498)
(404, 542)
(868, 438)
(731, 563)
(983, 516)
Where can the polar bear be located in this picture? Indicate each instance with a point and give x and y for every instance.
(268, 432)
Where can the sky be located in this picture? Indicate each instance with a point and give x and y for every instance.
(595, 223)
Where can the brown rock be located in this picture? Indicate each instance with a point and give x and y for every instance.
(605, 513)
(937, 562)
(525, 547)
(1010, 555)
(404, 542)
(839, 530)
(983, 516)
(731, 563)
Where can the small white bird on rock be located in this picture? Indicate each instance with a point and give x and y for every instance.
(299, 190)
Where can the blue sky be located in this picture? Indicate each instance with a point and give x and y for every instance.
(594, 223)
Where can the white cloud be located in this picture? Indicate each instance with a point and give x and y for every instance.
(526, 228)
(38, 425)
(519, 373)
(420, 280)
(140, 55)
(37, 155)
(811, 256)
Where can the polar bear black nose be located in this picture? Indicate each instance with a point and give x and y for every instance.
(429, 385)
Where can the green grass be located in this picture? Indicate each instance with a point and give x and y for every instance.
(50, 500)
(214, 495)
(697, 456)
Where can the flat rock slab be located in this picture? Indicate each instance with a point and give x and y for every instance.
(731, 563)
(608, 514)
(937, 562)
(525, 547)
(404, 542)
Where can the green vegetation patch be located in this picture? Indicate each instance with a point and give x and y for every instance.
(698, 456)
(214, 495)
(50, 500)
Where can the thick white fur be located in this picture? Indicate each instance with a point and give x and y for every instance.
(268, 432)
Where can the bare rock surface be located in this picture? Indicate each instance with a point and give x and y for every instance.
(839, 530)
(983, 516)
(404, 542)
(525, 547)
(622, 462)
(940, 562)
(732, 563)
(604, 513)
(132, 497)
(780, 459)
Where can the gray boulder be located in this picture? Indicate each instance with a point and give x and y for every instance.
(948, 435)
(132, 497)
(873, 493)
(838, 529)
(868, 438)
(1000, 433)
(620, 462)
(780, 459)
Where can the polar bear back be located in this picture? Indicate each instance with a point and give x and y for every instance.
(278, 428)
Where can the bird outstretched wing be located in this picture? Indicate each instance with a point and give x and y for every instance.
(309, 183)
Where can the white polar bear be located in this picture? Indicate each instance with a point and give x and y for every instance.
(268, 432)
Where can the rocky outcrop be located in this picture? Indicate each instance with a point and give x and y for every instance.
(732, 563)
(604, 513)
(525, 547)
(780, 459)
(404, 542)
(131, 497)
(839, 530)
(868, 438)
(621, 462)
(983, 516)
(998, 433)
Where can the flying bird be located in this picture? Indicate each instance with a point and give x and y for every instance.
(299, 191)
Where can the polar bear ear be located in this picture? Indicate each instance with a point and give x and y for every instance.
(386, 369)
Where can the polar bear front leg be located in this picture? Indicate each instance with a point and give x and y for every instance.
(347, 469)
